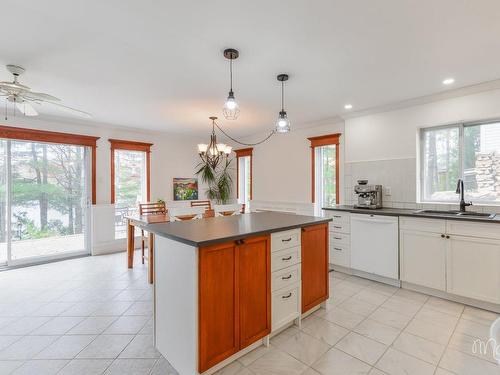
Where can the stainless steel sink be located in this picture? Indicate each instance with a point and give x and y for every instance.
(455, 213)
(476, 214)
(437, 212)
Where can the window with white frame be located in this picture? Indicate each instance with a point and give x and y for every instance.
(468, 151)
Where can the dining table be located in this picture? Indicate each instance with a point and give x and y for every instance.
(140, 221)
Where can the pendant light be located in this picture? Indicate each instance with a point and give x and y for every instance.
(283, 123)
(231, 109)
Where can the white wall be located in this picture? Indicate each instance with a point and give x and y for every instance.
(171, 156)
(282, 165)
(392, 134)
(383, 146)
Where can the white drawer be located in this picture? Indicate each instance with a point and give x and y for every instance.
(285, 306)
(340, 227)
(285, 258)
(467, 228)
(285, 239)
(285, 277)
(338, 216)
(339, 239)
(340, 255)
(422, 224)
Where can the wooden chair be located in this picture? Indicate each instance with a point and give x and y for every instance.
(156, 208)
(206, 204)
(227, 209)
(186, 213)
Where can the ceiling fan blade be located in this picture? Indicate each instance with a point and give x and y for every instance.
(39, 96)
(67, 109)
(26, 109)
(13, 86)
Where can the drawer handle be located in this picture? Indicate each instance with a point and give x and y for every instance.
(337, 238)
(337, 216)
(287, 277)
(337, 248)
(287, 296)
(287, 240)
(287, 258)
(337, 227)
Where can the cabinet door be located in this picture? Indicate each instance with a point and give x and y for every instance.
(218, 304)
(314, 265)
(473, 268)
(423, 258)
(254, 289)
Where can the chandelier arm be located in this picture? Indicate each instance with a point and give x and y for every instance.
(243, 143)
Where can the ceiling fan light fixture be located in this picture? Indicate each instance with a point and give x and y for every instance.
(231, 109)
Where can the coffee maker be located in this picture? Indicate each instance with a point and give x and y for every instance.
(369, 196)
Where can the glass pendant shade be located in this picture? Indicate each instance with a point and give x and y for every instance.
(283, 123)
(202, 148)
(231, 109)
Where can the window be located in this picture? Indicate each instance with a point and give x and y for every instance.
(46, 187)
(325, 170)
(130, 180)
(244, 176)
(468, 151)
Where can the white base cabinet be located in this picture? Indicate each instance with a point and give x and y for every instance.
(423, 258)
(436, 254)
(473, 268)
(285, 277)
(339, 238)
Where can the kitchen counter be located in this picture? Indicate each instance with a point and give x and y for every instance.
(388, 211)
(228, 228)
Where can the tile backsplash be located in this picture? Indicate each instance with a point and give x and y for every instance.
(401, 176)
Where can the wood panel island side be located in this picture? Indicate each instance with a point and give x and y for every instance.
(224, 285)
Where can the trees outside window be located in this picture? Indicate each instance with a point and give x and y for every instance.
(468, 151)
(130, 180)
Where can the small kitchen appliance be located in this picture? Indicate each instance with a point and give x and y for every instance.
(369, 196)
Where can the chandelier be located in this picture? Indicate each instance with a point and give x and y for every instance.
(213, 152)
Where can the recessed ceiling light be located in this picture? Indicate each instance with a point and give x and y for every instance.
(448, 81)
(348, 106)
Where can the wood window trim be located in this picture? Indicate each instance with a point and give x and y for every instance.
(240, 154)
(119, 144)
(35, 135)
(325, 140)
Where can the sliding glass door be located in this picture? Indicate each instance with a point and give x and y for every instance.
(44, 188)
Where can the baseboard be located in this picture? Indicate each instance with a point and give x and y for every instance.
(452, 297)
(114, 246)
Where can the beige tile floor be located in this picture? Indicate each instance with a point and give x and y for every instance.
(92, 316)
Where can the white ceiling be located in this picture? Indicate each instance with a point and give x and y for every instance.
(158, 65)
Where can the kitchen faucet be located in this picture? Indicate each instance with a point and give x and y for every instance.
(460, 190)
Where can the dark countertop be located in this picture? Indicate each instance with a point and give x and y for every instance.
(213, 230)
(409, 212)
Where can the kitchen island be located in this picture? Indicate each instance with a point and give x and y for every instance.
(224, 284)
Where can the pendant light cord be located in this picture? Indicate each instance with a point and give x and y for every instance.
(243, 143)
(282, 96)
(231, 74)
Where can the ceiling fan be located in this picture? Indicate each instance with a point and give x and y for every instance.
(23, 98)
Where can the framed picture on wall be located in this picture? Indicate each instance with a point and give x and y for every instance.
(185, 189)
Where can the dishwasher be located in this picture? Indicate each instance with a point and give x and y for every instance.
(374, 244)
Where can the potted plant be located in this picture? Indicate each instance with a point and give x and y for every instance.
(218, 179)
